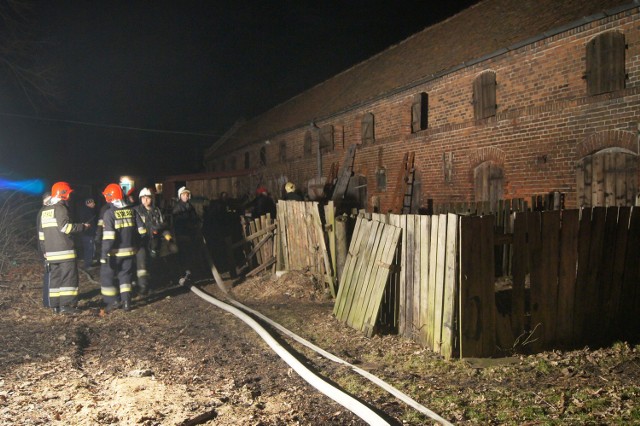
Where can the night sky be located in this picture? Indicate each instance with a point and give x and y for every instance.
(184, 71)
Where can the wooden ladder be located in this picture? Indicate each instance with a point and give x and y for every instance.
(344, 175)
(404, 188)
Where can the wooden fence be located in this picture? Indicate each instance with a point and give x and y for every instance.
(574, 280)
(366, 274)
(302, 241)
(260, 242)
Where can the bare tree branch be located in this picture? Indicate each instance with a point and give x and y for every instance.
(19, 54)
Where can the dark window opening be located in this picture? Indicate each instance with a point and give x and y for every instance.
(247, 160)
(419, 112)
(263, 156)
(283, 152)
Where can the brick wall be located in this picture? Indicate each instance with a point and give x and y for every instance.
(545, 122)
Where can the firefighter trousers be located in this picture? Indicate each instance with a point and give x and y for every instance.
(117, 271)
(63, 284)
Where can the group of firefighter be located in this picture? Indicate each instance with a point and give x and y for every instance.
(129, 239)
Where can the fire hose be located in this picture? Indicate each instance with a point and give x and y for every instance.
(337, 395)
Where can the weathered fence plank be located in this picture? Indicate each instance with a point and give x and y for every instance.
(630, 293)
(477, 305)
(549, 285)
(440, 272)
(425, 248)
(449, 306)
(432, 283)
(617, 279)
(567, 275)
(520, 270)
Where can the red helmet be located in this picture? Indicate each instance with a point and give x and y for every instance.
(112, 193)
(61, 190)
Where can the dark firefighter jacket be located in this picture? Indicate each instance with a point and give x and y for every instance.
(152, 219)
(122, 229)
(54, 230)
(186, 222)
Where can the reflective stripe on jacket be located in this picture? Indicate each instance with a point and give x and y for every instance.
(122, 228)
(54, 230)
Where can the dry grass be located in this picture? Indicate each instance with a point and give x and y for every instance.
(18, 236)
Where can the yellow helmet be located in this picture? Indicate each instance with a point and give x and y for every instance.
(289, 187)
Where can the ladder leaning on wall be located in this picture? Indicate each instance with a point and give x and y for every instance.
(403, 196)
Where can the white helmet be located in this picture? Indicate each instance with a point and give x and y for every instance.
(183, 189)
(145, 192)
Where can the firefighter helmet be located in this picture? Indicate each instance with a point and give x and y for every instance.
(290, 187)
(61, 190)
(182, 190)
(112, 193)
(145, 192)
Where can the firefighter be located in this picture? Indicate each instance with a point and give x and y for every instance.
(187, 228)
(290, 192)
(122, 229)
(54, 234)
(46, 199)
(150, 247)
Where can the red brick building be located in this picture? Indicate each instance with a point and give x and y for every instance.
(506, 99)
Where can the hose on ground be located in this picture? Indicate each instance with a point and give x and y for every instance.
(374, 379)
(347, 401)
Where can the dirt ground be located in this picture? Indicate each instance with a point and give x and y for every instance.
(176, 359)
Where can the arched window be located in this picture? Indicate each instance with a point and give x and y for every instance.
(488, 182)
(605, 63)
(607, 178)
(484, 95)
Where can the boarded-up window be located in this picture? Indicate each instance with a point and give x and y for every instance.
(282, 152)
(247, 160)
(368, 135)
(488, 183)
(307, 144)
(326, 138)
(605, 63)
(419, 112)
(484, 95)
(263, 156)
(607, 178)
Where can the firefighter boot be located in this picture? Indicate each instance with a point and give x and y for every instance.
(69, 310)
(126, 302)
